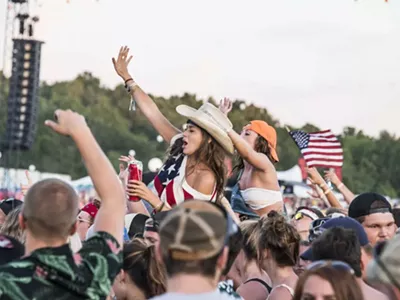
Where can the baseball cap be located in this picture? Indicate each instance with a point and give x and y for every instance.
(153, 223)
(195, 230)
(267, 132)
(363, 205)
(385, 268)
(345, 222)
(134, 224)
(10, 249)
(9, 204)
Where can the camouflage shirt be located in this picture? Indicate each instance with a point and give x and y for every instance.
(57, 273)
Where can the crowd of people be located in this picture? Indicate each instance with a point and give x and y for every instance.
(182, 238)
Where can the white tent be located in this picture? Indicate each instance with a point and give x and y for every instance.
(293, 174)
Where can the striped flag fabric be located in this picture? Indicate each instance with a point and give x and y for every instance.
(319, 149)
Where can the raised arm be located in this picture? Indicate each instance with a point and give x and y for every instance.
(110, 217)
(145, 103)
(245, 150)
(317, 179)
(346, 192)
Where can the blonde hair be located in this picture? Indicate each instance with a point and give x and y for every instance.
(11, 225)
(274, 234)
(249, 247)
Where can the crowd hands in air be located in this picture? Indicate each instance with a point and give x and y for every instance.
(182, 238)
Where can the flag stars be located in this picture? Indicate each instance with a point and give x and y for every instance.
(171, 169)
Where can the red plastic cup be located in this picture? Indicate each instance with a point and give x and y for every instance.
(135, 173)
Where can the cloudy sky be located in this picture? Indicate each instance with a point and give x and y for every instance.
(329, 62)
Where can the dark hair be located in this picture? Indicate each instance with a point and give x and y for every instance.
(145, 271)
(343, 283)
(261, 146)
(280, 238)
(50, 209)
(396, 216)
(211, 155)
(338, 243)
(206, 267)
(374, 205)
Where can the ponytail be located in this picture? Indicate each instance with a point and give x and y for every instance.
(141, 265)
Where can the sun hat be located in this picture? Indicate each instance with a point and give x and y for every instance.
(212, 120)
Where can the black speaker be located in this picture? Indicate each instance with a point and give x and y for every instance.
(23, 98)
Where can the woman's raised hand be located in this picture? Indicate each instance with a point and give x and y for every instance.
(122, 62)
(225, 106)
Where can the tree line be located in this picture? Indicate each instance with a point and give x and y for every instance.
(370, 164)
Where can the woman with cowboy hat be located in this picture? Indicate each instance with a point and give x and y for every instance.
(257, 191)
(195, 166)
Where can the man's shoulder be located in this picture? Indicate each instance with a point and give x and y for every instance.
(101, 243)
(22, 265)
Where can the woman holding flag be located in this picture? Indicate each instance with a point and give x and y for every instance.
(257, 191)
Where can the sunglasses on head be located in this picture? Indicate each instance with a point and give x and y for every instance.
(335, 264)
(316, 229)
(378, 250)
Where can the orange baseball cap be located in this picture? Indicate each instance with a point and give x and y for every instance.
(267, 132)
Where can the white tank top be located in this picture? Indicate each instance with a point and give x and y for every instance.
(258, 198)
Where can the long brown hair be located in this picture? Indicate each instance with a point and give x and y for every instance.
(142, 267)
(343, 283)
(261, 146)
(210, 154)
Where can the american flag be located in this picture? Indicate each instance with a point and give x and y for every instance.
(319, 149)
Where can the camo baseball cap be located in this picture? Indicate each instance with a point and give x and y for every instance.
(194, 230)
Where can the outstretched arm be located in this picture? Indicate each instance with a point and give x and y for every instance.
(245, 150)
(145, 103)
(110, 217)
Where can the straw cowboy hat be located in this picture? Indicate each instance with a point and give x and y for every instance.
(212, 120)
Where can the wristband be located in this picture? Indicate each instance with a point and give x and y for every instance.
(129, 79)
(327, 191)
(340, 185)
(131, 86)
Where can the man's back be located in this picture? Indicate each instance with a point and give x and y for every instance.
(57, 273)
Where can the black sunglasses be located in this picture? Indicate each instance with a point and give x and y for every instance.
(378, 250)
(335, 264)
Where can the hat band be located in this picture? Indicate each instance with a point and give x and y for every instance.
(379, 210)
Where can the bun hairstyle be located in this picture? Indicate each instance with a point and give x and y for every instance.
(141, 265)
(274, 234)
